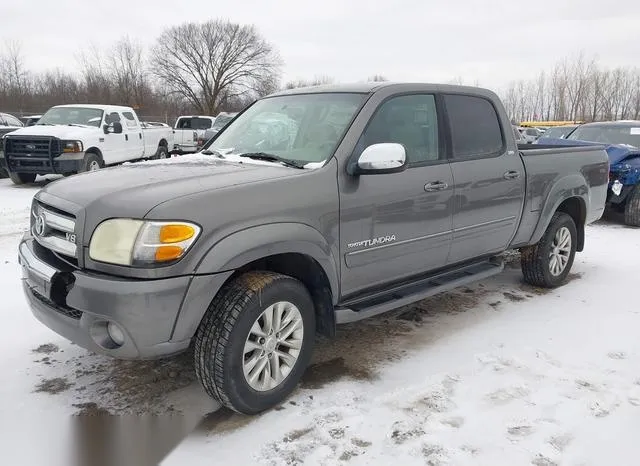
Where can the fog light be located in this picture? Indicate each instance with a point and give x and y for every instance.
(115, 333)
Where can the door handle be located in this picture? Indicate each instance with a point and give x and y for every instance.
(435, 186)
(126, 137)
(510, 175)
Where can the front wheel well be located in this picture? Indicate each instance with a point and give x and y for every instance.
(306, 269)
(95, 150)
(575, 207)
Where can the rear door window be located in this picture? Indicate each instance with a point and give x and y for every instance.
(475, 127)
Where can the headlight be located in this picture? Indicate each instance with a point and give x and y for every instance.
(71, 146)
(141, 243)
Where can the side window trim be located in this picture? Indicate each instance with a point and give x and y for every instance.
(449, 132)
(442, 135)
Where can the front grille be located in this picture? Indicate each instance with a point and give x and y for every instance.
(32, 147)
(54, 229)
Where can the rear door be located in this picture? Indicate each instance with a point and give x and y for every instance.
(134, 137)
(488, 176)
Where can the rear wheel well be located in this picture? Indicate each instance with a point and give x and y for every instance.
(311, 274)
(163, 142)
(577, 210)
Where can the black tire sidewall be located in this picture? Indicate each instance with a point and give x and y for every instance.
(22, 178)
(162, 150)
(88, 158)
(241, 395)
(562, 220)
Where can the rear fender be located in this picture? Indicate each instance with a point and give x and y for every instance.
(567, 187)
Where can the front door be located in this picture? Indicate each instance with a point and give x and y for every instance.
(488, 176)
(397, 225)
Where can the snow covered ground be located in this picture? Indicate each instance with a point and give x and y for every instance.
(495, 374)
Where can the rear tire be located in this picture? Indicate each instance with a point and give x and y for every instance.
(162, 153)
(547, 263)
(22, 178)
(235, 338)
(632, 208)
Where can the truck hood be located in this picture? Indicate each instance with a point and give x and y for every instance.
(134, 189)
(57, 131)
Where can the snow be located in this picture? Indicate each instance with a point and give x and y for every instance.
(496, 374)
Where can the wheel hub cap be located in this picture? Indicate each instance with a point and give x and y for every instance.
(560, 251)
(273, 346)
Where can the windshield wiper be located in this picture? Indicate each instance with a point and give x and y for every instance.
(213, 152)
(272, 158)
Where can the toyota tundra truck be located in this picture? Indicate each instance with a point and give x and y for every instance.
(71, 139)
(314, 207)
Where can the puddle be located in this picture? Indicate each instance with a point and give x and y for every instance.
(223, 420)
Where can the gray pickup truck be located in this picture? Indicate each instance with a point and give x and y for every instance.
(314, 207)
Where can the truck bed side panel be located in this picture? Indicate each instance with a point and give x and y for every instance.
(557, 174)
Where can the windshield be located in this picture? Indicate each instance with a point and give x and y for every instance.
(608, 134)
(557, 132)
(72, 116)
(304, 127)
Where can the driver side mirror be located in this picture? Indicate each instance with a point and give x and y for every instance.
(115, 127)
(381, 158)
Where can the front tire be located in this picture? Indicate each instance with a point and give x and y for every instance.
(92, 162)
(22, 178)
(255, 341)
(547, 264)
(632, 208)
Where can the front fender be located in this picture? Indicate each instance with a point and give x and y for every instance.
(248, 245)
(570, 186)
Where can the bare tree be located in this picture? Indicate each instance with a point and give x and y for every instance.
(209, 61)
(377, 78)
(317, 81)
(127, 71)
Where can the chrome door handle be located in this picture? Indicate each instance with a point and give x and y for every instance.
(510, 175)
(435, 186)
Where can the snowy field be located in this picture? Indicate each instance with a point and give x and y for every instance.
(496, 374)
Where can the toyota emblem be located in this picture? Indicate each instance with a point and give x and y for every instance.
(40, 225)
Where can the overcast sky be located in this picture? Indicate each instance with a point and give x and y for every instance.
(492, 41)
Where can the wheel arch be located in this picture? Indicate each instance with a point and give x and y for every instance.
(293, 249)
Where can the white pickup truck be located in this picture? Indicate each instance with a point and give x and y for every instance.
(70, 139)
(189, 131)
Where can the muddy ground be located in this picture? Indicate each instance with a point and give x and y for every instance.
(98, 385)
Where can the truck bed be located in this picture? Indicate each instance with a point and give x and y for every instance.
(559, 172)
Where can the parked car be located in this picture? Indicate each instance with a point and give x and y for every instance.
(349, 205)
(31, 120)
(530, 134)
(69, 139)
(621, 140)
(517, 134)
(555, 132)
(8, 124)
(189, 131)
(221, 120)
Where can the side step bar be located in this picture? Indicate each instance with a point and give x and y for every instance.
(417, 291)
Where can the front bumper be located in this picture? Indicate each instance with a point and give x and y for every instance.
(62, 164)
(157, 317)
